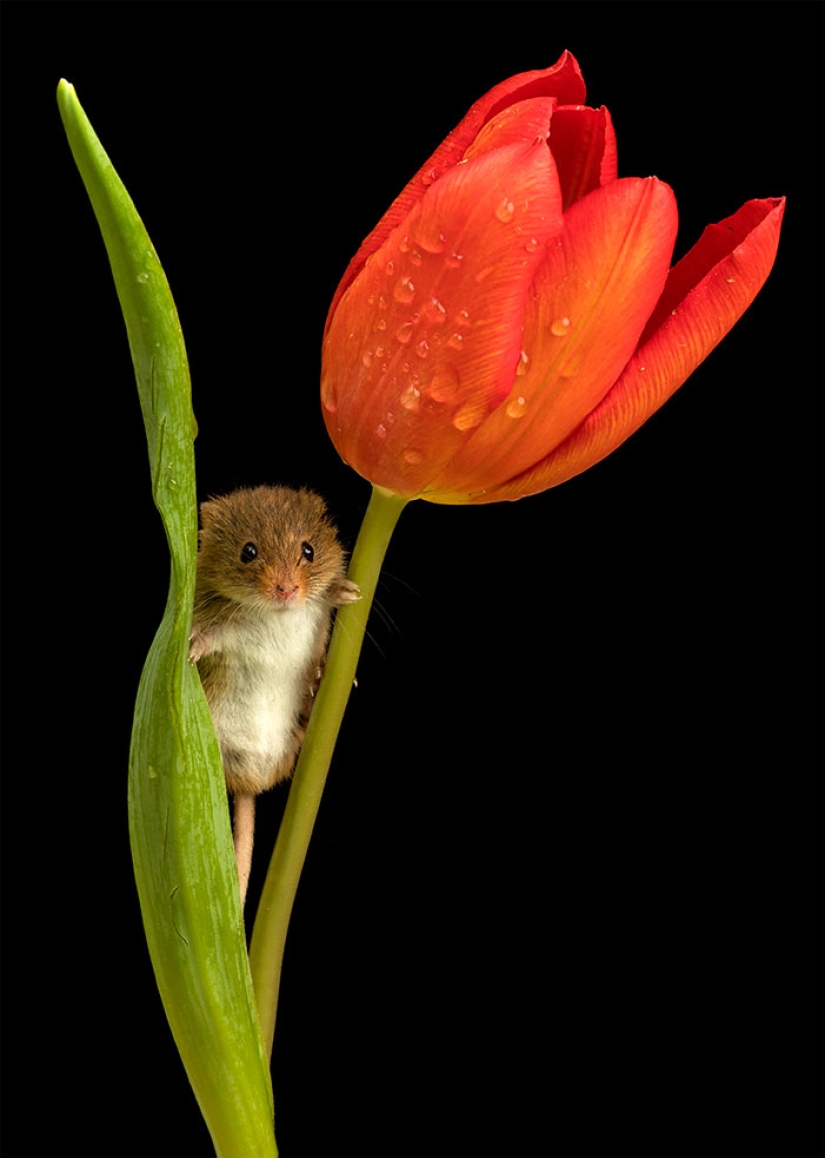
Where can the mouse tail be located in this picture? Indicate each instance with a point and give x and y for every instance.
(243, 827)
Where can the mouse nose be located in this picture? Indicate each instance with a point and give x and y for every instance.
(285, 591)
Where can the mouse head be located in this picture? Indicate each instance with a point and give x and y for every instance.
(271, 548)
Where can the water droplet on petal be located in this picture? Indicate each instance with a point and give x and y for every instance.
(413, 457)
(453, 260)
(430, 237)
(329, 400)
(444, 385)
(405, 245)
(381, 431)
(411, 398)
(532, 245)
(404, 291)
(471, 414)
(366, 358)
(423, 348)
(389, 268)
(505, 210)
(380, 324)
(462, 318)
(483, 274)
(430, 176)
(560, 327)
(516, 408)
(435, 312)
(523, 363)
(456, 342)
(404, 332)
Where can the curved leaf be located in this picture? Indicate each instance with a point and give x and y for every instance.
(178, 815)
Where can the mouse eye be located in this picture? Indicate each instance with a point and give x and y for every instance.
(249, 552)
(307, 552)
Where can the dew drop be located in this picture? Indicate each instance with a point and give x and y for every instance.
(429, 177)
(505, 210)
(423, 348)
(404, 291)
(143, 277)
(430, 237)
(560, 327)
(404, 333)
(471, 414)
(413, 457)
(366, 359)
(380, 324)
(523, 363)
(411, 398)
(389, 268)
(455, 341)
(328, 398)
(415, 257)
(405, 245)
(444, 385)
(152, 772)
(532, 245)
(453, 260)
(516, 407)
(381, 431)
(483, 274)
(462, 318)
(435, 312)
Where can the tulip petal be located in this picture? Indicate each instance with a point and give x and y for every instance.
(425, 342)
(591, 298)
(583, 144)
(562, 81)
(706, 294)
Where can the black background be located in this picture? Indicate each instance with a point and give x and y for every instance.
(566, 878)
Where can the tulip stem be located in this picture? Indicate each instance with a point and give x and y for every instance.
(272, 920)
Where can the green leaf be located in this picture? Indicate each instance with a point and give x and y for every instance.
(178, 813)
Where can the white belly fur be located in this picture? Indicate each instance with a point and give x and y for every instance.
(269, 669)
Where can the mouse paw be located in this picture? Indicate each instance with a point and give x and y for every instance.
(345, 591)
(198, 645)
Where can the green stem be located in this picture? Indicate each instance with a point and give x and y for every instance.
(275, 908)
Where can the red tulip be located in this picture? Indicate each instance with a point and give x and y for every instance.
(513, 317)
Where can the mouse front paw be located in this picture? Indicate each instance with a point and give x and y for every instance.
(198, 645)
(345, 591)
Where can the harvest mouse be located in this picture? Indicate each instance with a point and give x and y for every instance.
(270, 571)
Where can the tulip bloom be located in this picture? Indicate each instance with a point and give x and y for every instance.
(513, 317)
